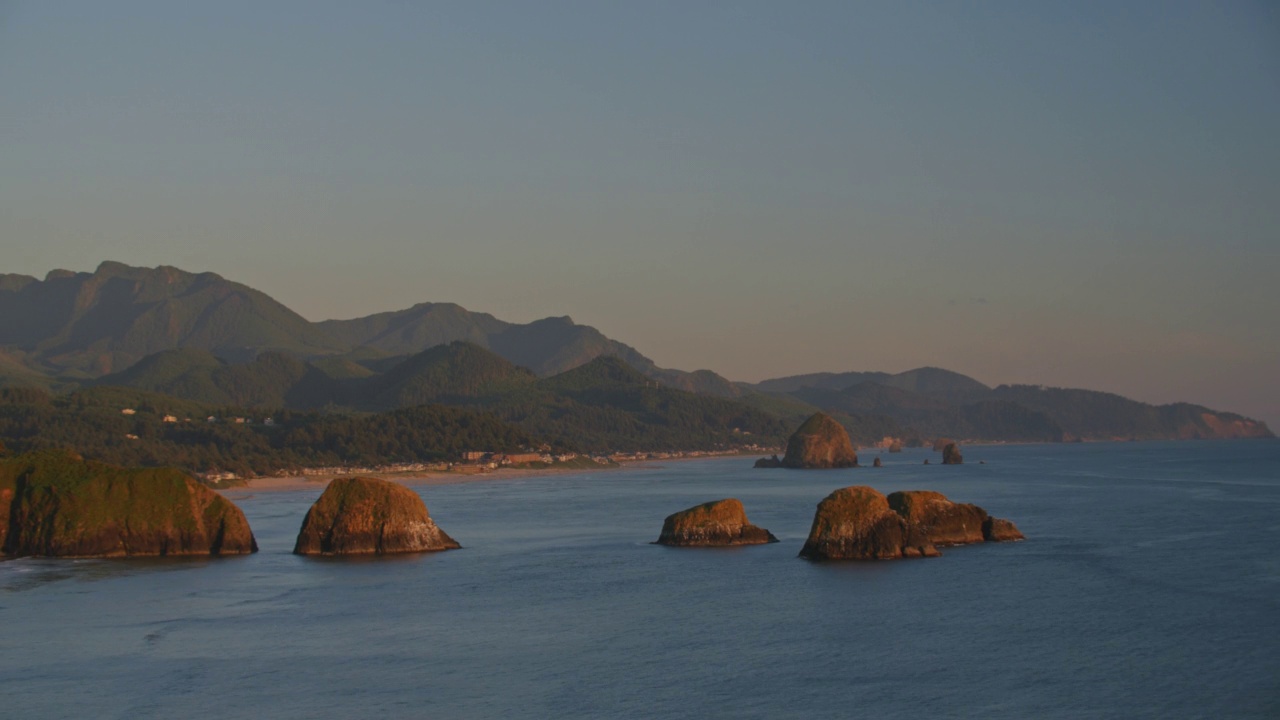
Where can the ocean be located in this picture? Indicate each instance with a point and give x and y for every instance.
(1148, 587)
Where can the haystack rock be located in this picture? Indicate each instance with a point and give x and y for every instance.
(56, 504)
(1000, 530)
(856, 523)
(877, 463)
(821, 442)
(769, 462)
(941, 443)
(951, 455)
(717, 523)
(943, 522)
(368, 516)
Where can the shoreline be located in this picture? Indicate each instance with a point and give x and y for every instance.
(411, 479)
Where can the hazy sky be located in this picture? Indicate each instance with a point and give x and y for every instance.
(1074, 193)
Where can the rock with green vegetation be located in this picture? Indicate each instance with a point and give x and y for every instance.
(943, 522)
(951, 455)
(821, 442)
(368, 516)
(57, 504)
(717, 523)
(856, 523)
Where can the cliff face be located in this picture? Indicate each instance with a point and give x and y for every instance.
(718, 523)
(368, 516)
(821, 442)
(858, 523)
(58, 505)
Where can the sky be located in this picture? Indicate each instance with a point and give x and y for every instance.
(1081, 194)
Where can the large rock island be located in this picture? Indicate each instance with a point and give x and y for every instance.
(714, 524)
(56, 504)
(821, 442)
(368, 516)
(859, 523)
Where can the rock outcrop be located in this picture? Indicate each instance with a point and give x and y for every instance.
(951, 455)
(57, 504)
(856, 523)
(769, 462)
(999, 530)
(942, 521)
(877, 463)
(717, 523)
(821, 442)
(368, 516)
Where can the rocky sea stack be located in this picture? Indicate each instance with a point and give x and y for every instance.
(951, 455)
(713, 524)
(57, 504)
(858, 523)
(368, 516)
(821, 442)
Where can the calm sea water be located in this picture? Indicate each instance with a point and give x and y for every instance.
(1149, 586)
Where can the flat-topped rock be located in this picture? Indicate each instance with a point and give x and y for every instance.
(56, 504)
(856, 523)
(713, 524)
(943, 522)
(368, 516)
(820, 442)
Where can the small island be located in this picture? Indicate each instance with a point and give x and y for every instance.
(859, 523)
(820, 443)
(368, 516)
(714, 524)
(54, 503)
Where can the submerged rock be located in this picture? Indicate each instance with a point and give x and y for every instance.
(57, 504)
(856, 523)
(821, 442)
(951, 455)
(368, 516)
(717, 523)
(1000, 530)
(942, 521)
(769, 462)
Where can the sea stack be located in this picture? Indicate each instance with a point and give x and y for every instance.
(368, 516)
(715, 524)
(856, 523)
(876, 463)
(54, 503)
(951, 455)
(821, 442)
